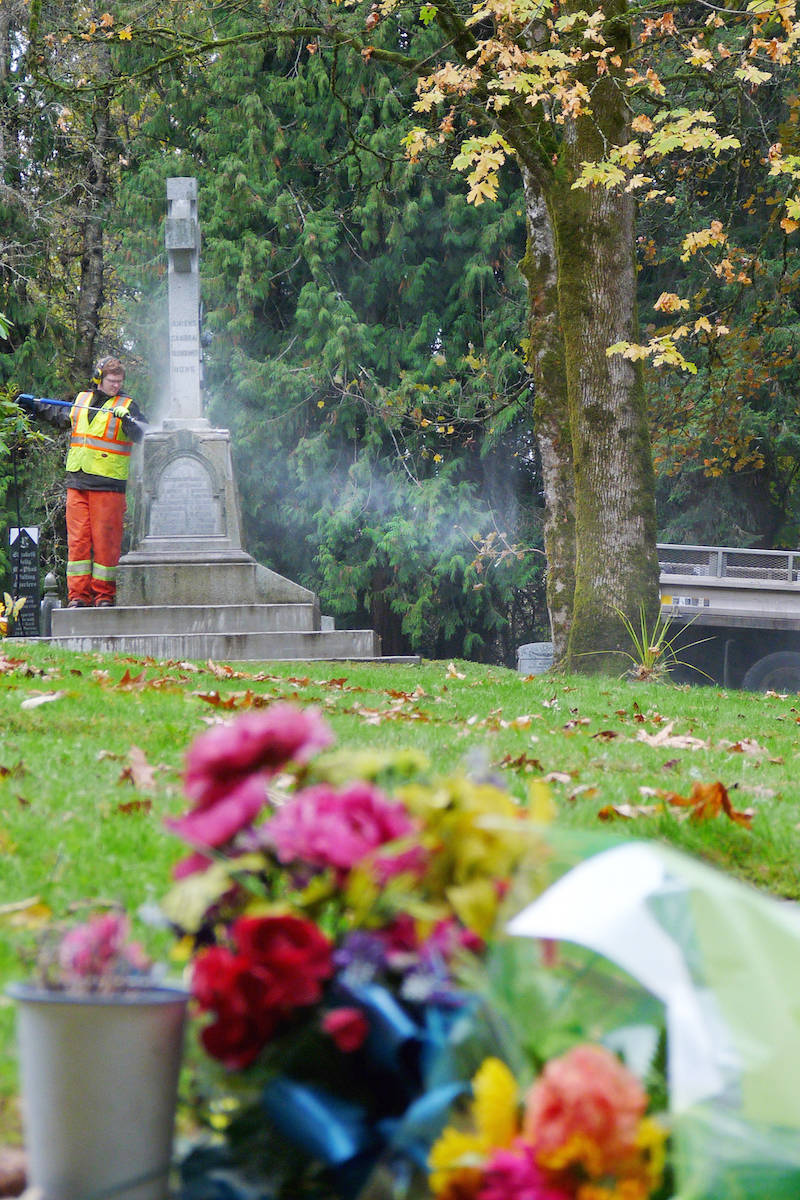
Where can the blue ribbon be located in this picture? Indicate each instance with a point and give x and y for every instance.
(418, 1075)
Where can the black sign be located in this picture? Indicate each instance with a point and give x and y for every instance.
(25, 579)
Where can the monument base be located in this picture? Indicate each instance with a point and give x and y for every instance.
(188, 590)
(224, 632)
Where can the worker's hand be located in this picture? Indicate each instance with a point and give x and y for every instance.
(119, 412)
(26, 401)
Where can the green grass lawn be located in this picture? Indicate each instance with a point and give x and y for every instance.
(91, 750)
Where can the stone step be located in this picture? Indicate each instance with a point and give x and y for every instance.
(336, 644)
(136, 620)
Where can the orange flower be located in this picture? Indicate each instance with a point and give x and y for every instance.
(586, 1106)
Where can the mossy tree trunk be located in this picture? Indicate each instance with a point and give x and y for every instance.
(590, 413)
(96, 198)
(551, 411)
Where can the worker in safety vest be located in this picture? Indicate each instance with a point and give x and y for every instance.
(105, 423)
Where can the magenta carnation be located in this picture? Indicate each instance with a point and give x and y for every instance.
(336, 829)
(218, 823)
(259, 742)
(514, 1175)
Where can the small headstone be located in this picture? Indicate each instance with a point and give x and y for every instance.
(534, 658)
(24, 545)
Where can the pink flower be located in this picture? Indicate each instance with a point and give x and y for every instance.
(191, 865)
(589, 1092)
(514, 1175)
(256, 742)
(327, 828)
(216, 824)
(399, 938)
(89, 949)
(347, 1026)
(98, 950)
(411, 861)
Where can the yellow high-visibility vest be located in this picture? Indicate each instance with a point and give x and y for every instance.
(99, 447)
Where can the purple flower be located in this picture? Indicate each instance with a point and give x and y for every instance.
(360, 957)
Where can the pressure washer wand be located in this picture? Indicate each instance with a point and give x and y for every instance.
(63, 404)
(43, 400)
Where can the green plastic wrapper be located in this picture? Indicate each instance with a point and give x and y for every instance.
(724, 960)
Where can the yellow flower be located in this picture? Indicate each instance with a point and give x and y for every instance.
(651, 1139)
(578, 1150)
(457, 1157)
(495, 1108)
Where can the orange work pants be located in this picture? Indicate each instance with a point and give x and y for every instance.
(94, 542)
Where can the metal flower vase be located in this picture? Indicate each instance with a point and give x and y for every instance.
(99, 1078)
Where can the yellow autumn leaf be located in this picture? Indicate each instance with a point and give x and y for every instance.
(669, 302)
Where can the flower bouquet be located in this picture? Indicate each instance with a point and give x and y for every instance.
(332, 906)
(328, 900)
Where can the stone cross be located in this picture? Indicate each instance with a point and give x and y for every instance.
(182, 237)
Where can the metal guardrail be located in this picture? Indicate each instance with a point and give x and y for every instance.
(725, 562)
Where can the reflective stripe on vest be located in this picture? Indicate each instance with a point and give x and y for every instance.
(99, 447)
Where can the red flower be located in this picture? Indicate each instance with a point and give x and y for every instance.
(291, 956)
(226, 984)
(256, 742)
(347, 1026)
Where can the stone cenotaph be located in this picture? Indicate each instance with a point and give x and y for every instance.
(187, 588)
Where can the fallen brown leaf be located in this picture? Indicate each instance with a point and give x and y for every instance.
(138, 772)
(217, 701)
(665, 737)
(520, 763)
(746, 746)
(628, 812)
(708, 800)
(135, 806)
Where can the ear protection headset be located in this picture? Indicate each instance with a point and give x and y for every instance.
(102, 365)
